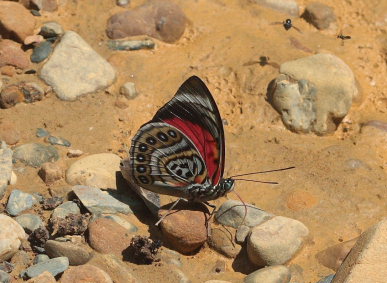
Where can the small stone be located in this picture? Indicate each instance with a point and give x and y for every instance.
(220, 266)
(106, 236)
(51, 203)
(184, 227)
(74, 68)
(58, 141)
(77, 254)
(72, 224)
(41, 51)
(276, 241)
(40, 132)
(270, 274)
(55, 266)
(9, 71)
(73, 153)
(51, 172)
(35, 154)
(11, 236)
(33, 39)
(222, 241)
(32, 92)
(231, 213)
(98, 202)
(45, 277)
(5, 168)
(85, 274)
(124, 223)
(65, 209)
(21, 259)
(241, 234)
(122, 3)
(19, 201)
(131, 44)
(35, 13)
(10, 96)
(4, 277)
(11, 53)
(16, 21)
(319, 15)
(97, 170)
(29, 222)
(289, 7)
(143, 250)
(128, 90)
(51, 29)
(40, 258)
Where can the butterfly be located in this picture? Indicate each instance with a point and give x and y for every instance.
(181, 151)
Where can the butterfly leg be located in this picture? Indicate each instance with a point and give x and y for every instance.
(209, 218)
(165, 215)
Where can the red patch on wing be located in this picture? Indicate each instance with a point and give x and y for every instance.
(204, 142)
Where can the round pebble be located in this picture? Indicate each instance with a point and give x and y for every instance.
(19, 201)
(11, 235)
(41, 52)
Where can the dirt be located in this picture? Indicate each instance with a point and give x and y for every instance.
(222, 39)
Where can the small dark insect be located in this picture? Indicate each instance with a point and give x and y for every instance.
(287, 24)
(343, 37)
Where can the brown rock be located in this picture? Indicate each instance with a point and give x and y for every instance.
(319, 15)
(46, 5)
(9, 133)
(16, 21)
(9, 71)
(45, 277)
(184, 228)
(10, 96)
(36, 38)
(222, 240)
(77, 254)
(51, 172)
(12, 54)
(106, 236)
(163, 20)
(85, 274)
(298, 200)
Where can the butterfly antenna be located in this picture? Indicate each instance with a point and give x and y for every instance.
(244, 217)
(169, 209)
(256, 181)
(262, 172)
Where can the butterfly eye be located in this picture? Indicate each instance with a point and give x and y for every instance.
(163, 137)
(172, 133)
(151, 140)
(143, 147)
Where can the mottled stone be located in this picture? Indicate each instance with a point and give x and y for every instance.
(11, 235)
(85, 274)
(35, 154)
(12, 54)
(10, 96)
(41, 52)
(271, 274)
(29, 222)
(65, 209)
(128, 90)
(19, 201)
(77, 254)
(51, 172)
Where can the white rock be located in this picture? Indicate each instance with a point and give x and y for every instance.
(97, 170)
(11, 235)
(74, 68)
(128, 90)
(270, 274)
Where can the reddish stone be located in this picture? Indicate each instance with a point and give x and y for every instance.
(9, 71)
(9, 133)
(12, 54)
(45, 277)
(10, 96)
(86, 273)
(51, 172)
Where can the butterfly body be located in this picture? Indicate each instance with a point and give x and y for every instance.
(181, 151)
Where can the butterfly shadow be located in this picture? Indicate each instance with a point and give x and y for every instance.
(242, 263)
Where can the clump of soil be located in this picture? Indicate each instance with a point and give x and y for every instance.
(143, 250)
(73, 224)
(38, 237)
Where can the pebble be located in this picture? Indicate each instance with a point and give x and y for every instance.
(232, 212)
(241, 234)
(222, 241)
(97, 170)
(333, 256)
(51, 29)
(11, 53)
(73, 153)
(99, 202)
(85, 274)
(289, 7)
(270, 274)
(74, 68)
(19, 201)
(319, 15)
(170, 257)
(36, 38)
(4, 277)
(131, 44)
(45, 277)
(7, 266)
(29, 222)
(327, 279)
(41, 51)
(51, 203)
(11, 235)
(40, 132)
(65, 209)
(51, 172)
(32, 92)
(128, 90)
(45, 5)
(38, 238)
(299, 200)
(40, 258)
(5, 168)
(76, 253)
(55, 266)
(35, 154)
(184, 228)
(10, 96)
(163, 20)
(16, 21)
(312, 99)
(276, 241)
(35, 13)
(58, 141)
(123, 222)
(106, 236)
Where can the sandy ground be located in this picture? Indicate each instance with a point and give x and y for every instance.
(335, 202)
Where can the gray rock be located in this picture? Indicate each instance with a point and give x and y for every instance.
(74, 68)
(124, 223)
(40, 133)
(232, 212)
(270, 274)
(319, 15)
(4, 277)
(29, 222)
(327, 279)
(276, 241)
(241, 234)
(58, 141)
(5, 168)
(41, 51)
(128, 90)
(285, 6)
(131, 44)
(55, 266)
(40, 258)
(19, 201)
(65, 209)
(77, 254)
(313, 99)
(98, 202)
(51, 29)
(35, 154)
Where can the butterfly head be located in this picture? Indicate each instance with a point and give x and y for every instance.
(226, 185)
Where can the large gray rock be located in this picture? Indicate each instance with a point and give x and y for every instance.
(11, 235)
(19, 201)
(313, 94)
(35, 154)
(55, 266)
(74, 68)
(5, 168)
